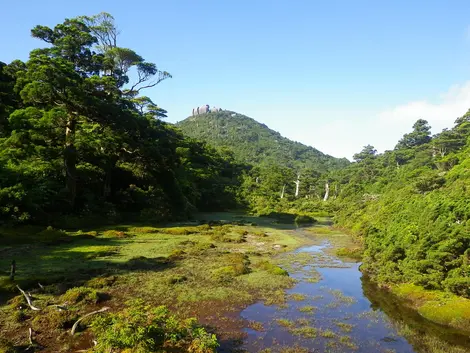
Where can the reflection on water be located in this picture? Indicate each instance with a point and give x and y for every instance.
(343, 312)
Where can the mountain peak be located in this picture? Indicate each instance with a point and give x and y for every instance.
(254, 142)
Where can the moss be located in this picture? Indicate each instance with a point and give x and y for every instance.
(19, 316)
(305, 332)
(307, 309)
(53, 236)
(177, 279)
(114, 234)
(144, 230)
(327, 333)
(297, 297)
(440, 307)
(104, 251)
(255, 325)
(81, 295)
(101, 282)
(285, 323)
(271, 268)
(6, 346)
(344, 326)
(224, 274)
(52, 319)
(17, 302)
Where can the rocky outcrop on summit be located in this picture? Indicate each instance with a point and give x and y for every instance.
(203, 109)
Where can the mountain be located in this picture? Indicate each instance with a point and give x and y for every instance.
(255, 143)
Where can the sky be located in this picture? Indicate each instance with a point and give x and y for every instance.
(336, 75)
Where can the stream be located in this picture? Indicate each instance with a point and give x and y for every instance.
(333, 308)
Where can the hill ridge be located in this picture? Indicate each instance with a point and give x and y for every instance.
(254, 142)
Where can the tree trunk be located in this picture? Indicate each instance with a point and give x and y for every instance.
(297, 185)
(283, 191)
(70, 160)
(108, 177)
(327, 191)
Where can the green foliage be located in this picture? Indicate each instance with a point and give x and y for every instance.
(142, 328)
(255, 143)
(81, 295)
(6, 346)
(274, 269)
(409, 207)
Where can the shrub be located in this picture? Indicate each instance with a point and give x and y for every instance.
(303, 219)
(224, 274)
(81, 295)
(353, 253)
(52, 236)
(145, 329)
(271, 268)
(114, 234)
(101, 282)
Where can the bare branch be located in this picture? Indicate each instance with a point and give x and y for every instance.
(75, 325)
(28, 299)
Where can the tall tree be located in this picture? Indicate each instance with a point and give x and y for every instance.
(420, 135)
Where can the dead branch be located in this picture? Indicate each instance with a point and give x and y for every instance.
(59, 307)
(28, 299)
(75, 325)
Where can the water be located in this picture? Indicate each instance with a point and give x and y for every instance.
(347, 313)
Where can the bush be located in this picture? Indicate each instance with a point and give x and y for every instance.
(271, 268)
(114, 234)
(145, 329)
(303, 219)
(353, 253)
(81, 295)
(101, 282)
(52, 236)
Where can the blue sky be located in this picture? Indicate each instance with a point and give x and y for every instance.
(336, 75)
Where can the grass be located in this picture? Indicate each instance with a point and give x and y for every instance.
(304, 331)
(327, 333)
(298, 297)
(309, 309)
(439, 307)
(341, 297)
(344, 326)
(205, 271)
(350, 253)
(285, 323)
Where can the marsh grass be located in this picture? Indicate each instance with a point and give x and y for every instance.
(309, 309)
(188, 268)
(439, 307)
(298, 297)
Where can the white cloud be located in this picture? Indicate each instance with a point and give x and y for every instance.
(383, 129)
(440, 114)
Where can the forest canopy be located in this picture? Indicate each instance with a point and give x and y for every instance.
(78, 137)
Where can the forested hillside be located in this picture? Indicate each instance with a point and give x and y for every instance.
(410, 206)
(254, 143)
(79, 138)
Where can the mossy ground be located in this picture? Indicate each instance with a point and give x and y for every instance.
(209, 271)
(440, 307)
